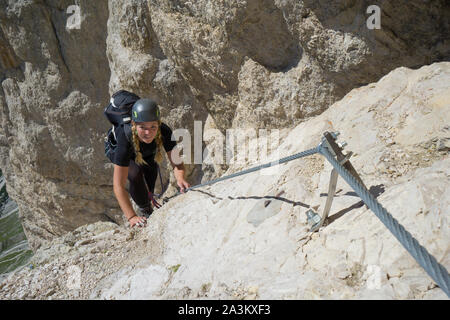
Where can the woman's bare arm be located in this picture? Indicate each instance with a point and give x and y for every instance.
(119, 182)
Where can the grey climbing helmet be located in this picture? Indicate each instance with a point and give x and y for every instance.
(145, 110)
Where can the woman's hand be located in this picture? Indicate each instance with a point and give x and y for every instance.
(138, 221)
(178, 172)
(183, 184)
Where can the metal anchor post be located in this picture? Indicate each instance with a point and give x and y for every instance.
(329, 142)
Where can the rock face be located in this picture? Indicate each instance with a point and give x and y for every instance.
(239, 248)
(273, 63)
(244, 239)
(53, 90)
(244, 64)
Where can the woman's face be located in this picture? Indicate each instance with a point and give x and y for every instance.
(147, 130)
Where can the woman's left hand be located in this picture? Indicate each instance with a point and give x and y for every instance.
(183, 184)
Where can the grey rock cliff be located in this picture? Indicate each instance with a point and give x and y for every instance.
(225, 241)
(242, 64)
(273, 63)
(53, 89)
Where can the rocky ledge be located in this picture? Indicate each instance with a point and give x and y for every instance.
(244, 239)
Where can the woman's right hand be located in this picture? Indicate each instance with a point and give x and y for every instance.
(138, 221)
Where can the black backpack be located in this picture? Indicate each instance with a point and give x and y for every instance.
(118, 112)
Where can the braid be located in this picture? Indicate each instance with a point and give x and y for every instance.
(137, 149)
(159, 145)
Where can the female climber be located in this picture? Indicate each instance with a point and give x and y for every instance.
(136, 158)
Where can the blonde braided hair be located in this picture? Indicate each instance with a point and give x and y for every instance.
(137, 150)
(159, 145)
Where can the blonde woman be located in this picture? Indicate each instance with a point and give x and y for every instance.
(136, 159)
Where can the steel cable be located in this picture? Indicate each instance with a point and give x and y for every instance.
(434, 269)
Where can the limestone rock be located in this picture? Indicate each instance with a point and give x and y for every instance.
(353, 255)
(252, 61)
(53, 90)
(215, 244)
(242, 63)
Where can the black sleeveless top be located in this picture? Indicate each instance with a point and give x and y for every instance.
(124, 151)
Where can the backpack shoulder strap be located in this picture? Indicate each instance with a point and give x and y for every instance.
(127, 130)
